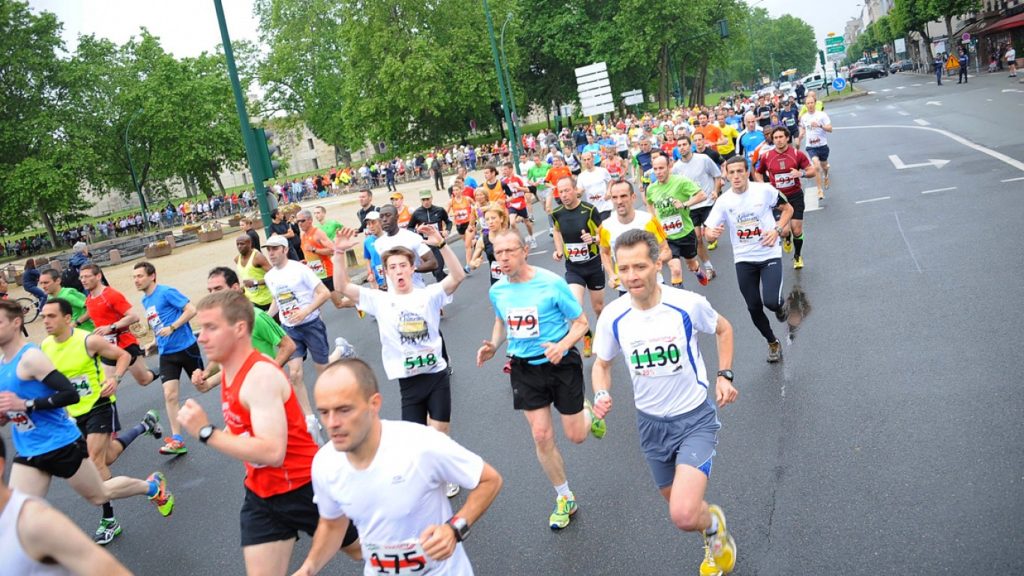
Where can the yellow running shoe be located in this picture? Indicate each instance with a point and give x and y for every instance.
(722, 545)
(787, 245)
(798, 262)
(708, 566)
(588, 345)
(713, 245)
(564, 508)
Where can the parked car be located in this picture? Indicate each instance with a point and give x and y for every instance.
(816, 81)
(869, 71)
(901, 66)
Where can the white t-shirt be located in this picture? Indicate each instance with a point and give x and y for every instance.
(1011, 55)
(621, 142)
(293, 287)
(594, 184)
(702, 170)
(402, 492)
(407, 239)
(660, 348)
(748, 215)
(410, 343)
(815, 136)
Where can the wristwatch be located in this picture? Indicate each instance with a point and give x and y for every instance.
(205, 432)
(30, 405)
(727, 374)
(460, 526)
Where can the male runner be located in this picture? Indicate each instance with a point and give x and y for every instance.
(712, 135)
(542, 320)
(374, 267)
(789, 117)
(594, 183)
(365, 207)
(264, 427)
(629, 218)
(298, 296)
(747, 208)
(731, 135)
(815, 124)
(113, 316)
(655, 330)
(643, 163)
(394, 235)
(558, 171)
(249, 230)
(784, 166)
(33, 395)
(670, 198)
(407, 526)
(435, 217)
(704, 171)
(518, 207)
(50, 282)
(317, 248)
(37, 539)
(750, 139)
(577, 233)
(252, 267)
(409, 322)
(330, 227)
(267, 335)
(168, 312)
(75, 353)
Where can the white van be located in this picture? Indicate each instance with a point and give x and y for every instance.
(817, 80)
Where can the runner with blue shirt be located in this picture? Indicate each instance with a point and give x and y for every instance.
(374, 266)
(168, 312)
(541, 320)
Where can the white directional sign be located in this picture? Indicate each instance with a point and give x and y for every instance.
(899, 165)
(633, 97)
(594, 89)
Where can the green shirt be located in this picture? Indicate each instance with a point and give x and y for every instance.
(675, 221)
(330, 227)
(266, 334)
(537, 174)
(77, 301)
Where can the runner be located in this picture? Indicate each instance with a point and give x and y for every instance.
(655, 332)
(670, 197)
(33, 395)
(330, 227)
(365, 207)
(398, 203)
(577, 234)
(316, 251)
(460, 208)
(518, 208)
(643, 164)
(409, 323)
(784, 166)
(628, 218)
(789, 116)
(436, 218)
(496, 219)
(298, 296)
(265, 429)
(252, 267)
(168, 312)
(407, 525)
(750, 139)
(497, 191)
(396, 235)
(542, 321)
(747, 208)
(701, 169)
(267, 335)
(249, 230)
(712, 135)
(37, 539)
(374, 267)
(594, 183)
(815, 124)
(113, 316)
(50, 282)
(558, 171)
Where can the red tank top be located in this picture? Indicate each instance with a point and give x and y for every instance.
(295, 472)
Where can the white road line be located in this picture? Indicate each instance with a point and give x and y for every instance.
(955, 137)
(900, 87)
(871, 92)
(900, 227)
(1013, 179)
(915, 84)
(879, 199)
(903, 113)
(938, 190)
(922, 122)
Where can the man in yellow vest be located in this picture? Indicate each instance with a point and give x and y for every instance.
(251, 266)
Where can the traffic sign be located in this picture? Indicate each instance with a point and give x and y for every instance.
(595, 92)
(833, 40)
(966, 37)
(839, 49)
(838, 84)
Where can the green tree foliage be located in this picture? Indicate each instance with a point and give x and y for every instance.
(946, 10)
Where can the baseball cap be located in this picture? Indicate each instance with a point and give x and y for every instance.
(372, 215)
(397, 195)
(277, 240)
(425, 194)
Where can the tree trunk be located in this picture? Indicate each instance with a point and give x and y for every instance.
(216, 178)
(663, 88)
(48, 223)
(949, 34)
(699, 86)
(547, 116)
(682, 83)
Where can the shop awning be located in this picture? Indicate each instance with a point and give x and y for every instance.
(1007, 23)
(978, 28)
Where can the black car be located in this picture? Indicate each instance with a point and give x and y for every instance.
(901, 66)
(869, 71)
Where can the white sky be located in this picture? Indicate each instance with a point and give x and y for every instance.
(823, 15)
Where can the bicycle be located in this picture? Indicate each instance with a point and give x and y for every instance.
(30, 308)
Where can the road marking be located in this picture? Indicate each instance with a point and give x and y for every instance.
(879, 199)
(922, 122)
(870, 92)
(1005, 90)
(890, 107)
(955, 137)
(933, 103)
(939, 190)
(915, 84)
(853, 113)
(903, 113)
(900, 87)
(899, 165)
(988, 99)
(886, 89)
(1013, 179)
(905, 241)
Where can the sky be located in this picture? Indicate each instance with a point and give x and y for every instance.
(189, 27)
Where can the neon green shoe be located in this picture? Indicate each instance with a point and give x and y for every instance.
(787, 244)
(723, 547)
(564, 508)
(163, 499)
(598, 427)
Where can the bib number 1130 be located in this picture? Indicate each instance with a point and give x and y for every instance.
(658, 356)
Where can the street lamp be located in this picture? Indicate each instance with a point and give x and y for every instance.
(131, 168)
(501, 77)
(513, 128)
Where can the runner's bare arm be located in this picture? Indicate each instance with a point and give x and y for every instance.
(724, 391)
(601, 381)
(284, 349)
(327, 540)
(455, 272)
(486, 352)
(97, 346)
(556, 350)
(49, 536)
(439, 541)
(427, 262)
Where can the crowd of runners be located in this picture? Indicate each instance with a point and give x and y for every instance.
(637, 205)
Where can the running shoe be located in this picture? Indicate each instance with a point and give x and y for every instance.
(710, 273)
(163, 499)
(798, 262)
(466, 269)
(598, 427)
(787, 244)
(701, 277)
(821, 194)
(588, 345)
(531, 243)
(152, 423)
(360, 313)
(173, 446)
(782, 313)
(452, 490)
(708, 566)
(564, 508)
(713, 244)
(775, 351)
(723, 547)
(109, 529)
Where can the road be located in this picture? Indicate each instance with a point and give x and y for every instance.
(888, 441)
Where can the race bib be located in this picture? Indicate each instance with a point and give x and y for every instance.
(419, 360)
(379, 271)
(112, 338)
(153, 319)
(21, 421)
(577, 251)
(673, 224)
(784, 180)
(523, 323)
(748, 230)
(81, 385)
(287, 304)
(401, 558)
(496, 272)
(317, 266)
(657, 360)
(461, 215)
(813, 141)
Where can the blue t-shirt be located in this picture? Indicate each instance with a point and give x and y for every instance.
(596, 149)
(163, 307)
(471, 182)
(371, 255)
(788, 118)
(749, 141)
(534, 312)
(39, 431)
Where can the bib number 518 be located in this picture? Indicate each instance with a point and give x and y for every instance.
(413, 362)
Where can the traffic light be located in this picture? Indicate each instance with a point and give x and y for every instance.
(723, 28)
(821, 58)
(267, 148)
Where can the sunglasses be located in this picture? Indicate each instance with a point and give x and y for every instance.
(301, 220)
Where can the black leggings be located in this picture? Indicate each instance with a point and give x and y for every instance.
(426, 394)
(761, 286)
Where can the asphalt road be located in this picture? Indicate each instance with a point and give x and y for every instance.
(888, 441)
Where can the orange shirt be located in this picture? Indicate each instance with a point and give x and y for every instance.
(712, 134)
(495, 192)
(404, 216)
(459, 209)
(556, 174)
(319, 264)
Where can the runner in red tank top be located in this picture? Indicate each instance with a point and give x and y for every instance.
(783, 166)
(266, 429)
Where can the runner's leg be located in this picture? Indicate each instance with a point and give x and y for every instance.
(269, 559)
(29, 480)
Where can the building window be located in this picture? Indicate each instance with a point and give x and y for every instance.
(316, 165)
(310, 142)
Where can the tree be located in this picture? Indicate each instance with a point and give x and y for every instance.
(949, 9)
(914, 16)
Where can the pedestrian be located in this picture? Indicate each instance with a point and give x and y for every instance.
(939, 65)
(1011, 60)
(30, 281)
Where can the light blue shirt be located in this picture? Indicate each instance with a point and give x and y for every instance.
(534, 312)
